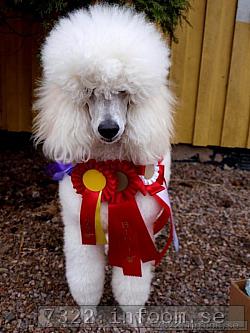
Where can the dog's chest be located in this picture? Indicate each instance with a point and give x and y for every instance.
(71, 205)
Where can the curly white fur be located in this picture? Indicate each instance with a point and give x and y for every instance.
(104, 49)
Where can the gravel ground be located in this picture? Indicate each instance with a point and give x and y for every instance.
(211, 208)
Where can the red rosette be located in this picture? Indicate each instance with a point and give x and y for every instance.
(154, 187)
(134, 182)
(91, 195)
(157, 184)
(81, 168)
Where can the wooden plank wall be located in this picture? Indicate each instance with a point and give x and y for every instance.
(236, 125)
(15, 77)
(210, 74)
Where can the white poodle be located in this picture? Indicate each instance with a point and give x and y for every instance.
(104, 96)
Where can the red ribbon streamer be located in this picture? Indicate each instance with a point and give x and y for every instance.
(129, 239)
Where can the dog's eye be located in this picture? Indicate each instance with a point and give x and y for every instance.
(92, 94)
(123, 94)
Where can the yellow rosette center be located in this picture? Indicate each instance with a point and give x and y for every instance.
(94, 180)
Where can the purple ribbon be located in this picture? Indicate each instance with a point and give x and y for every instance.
(58, 170)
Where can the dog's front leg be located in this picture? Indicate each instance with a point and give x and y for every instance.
(85, 264)
(84, 269)
(132, 290)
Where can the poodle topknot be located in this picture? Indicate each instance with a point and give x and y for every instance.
(105, 50)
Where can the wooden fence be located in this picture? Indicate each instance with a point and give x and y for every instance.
(18, 73)
(210, 74)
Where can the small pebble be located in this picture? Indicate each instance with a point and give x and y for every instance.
(9, 317)
(35, 194)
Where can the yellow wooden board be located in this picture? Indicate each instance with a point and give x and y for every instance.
(3, 114)
(9, 82)
(215, 64)
(248, 140)
(237, 112)
(15, 78)
(24, 81)
(185, 70)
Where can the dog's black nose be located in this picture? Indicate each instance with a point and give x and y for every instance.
(108, 129)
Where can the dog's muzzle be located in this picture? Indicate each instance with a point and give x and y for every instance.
(108, 129)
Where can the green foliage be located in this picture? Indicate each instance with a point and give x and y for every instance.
(165, 13)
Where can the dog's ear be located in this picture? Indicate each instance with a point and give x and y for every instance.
(150, 127)
(60, 125)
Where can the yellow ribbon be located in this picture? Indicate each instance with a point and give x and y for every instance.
(95, 181)
(100, 235)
